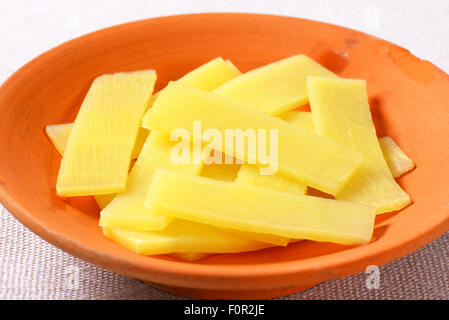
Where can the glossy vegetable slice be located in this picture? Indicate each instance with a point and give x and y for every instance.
(302, 156)
(252, 209)
(98, 151)
(341, 112)
(59, 134)
(183, 236)
(397, 160)
(208, 76)
(229, 172)
(274, 88)
(211, 75)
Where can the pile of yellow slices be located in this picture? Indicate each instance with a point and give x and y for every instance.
(120, 150)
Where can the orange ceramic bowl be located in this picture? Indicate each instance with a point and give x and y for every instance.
(408, 96)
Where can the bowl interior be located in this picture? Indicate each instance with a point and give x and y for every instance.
(408, 98)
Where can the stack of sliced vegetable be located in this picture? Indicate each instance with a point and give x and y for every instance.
(119, 150)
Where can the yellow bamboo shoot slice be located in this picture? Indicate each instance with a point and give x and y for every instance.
(59, 134)
(397, 160)
(228, 172)
(275, 88)
(302, 156)
(127, 210)
(208, 76)
(341, 112)
(252, 209)
(183, 236)
(211, 75)
(98, 151)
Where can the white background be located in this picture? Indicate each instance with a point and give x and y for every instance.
(29, 27)
(32, 268)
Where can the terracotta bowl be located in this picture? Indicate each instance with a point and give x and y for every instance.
(409, 99)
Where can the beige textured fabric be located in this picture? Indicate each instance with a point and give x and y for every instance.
(31, 268)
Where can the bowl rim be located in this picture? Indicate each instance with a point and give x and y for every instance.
(177, 273)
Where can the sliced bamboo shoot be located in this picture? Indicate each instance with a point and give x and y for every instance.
(252, 209)
(277, 87)
(397, 160)
(341, 112)
(211, 75)
(302, 156)
(208, 76)
(183, 236)
(98, 151)
(59, 134)
(228, 172)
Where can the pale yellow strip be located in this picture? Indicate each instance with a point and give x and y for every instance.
(252, 209)
(183, 236)
(98, 151)
(277, 87)
(397, 160)
(341, 112)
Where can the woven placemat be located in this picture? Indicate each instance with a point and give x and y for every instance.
(31, 268)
